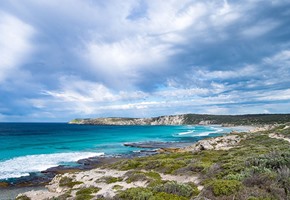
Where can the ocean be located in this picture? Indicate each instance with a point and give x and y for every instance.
(34, 147)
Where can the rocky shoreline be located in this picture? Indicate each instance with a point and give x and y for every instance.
(224, 142)
(89, 177)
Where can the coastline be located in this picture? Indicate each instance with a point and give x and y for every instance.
(90, 163)
(224, 142)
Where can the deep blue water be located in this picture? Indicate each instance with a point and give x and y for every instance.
(32, 147)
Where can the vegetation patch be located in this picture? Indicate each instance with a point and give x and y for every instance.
(109, 179)
(172, 187)
(86, 193)
(118, 187)
(225, 187)
(160, 190)
(64, 196)
(68, 182)
(166, 196)
(164, 163)
(138, 193)
(135, 175)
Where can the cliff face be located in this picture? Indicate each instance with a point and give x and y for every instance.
(190, 119)
(163, 120)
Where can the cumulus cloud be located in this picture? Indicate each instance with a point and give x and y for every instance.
(143, 58)
(15, 44)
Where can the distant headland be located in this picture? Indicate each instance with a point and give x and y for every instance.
(190, 119)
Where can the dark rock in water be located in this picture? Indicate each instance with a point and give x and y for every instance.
(157, 145)
(34, 179)
(143, 153)
(61, 169)
(89, 161)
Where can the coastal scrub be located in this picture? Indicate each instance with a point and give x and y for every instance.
(86, 193)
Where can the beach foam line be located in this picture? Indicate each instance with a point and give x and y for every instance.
(214, 130)
(22, 166)
(193, 133)
(186, 132)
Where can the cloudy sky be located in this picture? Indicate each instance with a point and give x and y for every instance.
(140, 58)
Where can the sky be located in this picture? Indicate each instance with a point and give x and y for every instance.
(68, 59)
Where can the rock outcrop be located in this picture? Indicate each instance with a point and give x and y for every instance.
(219, 143)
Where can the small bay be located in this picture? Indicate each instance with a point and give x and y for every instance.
(34, 147)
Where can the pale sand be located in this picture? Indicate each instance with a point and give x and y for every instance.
(89, 179)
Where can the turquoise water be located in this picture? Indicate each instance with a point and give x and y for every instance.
(32, 147)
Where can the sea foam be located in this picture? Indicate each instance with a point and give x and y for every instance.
(22, 166)
(186, 132)
(195, 133)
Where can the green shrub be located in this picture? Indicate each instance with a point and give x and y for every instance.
(165, 163)
(273, 160)
(85, 193)
(128, 164)
(109, 179)
(68, 182)
(135, 194)
(237, 176)
(117, 187)
(62, 197)
(147, 194)
(153, 175)
(172, 187)
(225, 187)
(134, 176)
(166, 196)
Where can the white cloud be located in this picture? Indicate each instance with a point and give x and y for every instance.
(76, 90)
(275, 95)
(225, 14)
(15, 43)
(141, 45)
(216, 110)
(123, 60)
(245, 71)
(181, 92)
(260, 28)
(282, 59)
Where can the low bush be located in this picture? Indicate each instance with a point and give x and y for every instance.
(135, 194)
(109, 179)
(153, 175)
(166, 196)
(172, 187)
(225, 187)
(117, 187)
(68, 182)
(64, 196)
(128, 164)
(86, 193)
(134, 176)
